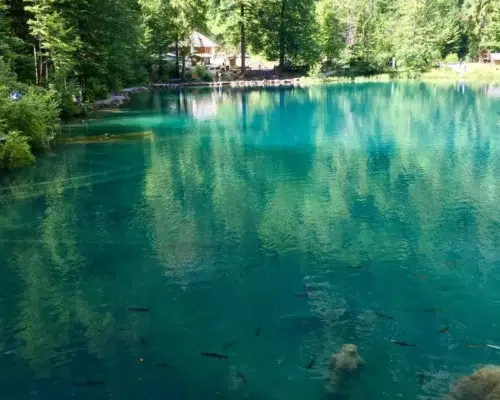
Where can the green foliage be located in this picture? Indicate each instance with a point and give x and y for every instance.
(482, 25)
(451, 58)
(15, 152)
(315, 71)
(35, 116)
(69, 96)
(286, 30)
(202, 74)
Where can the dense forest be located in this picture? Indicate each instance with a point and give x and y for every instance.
(56, 51)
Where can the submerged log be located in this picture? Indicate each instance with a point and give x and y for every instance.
(106, 138)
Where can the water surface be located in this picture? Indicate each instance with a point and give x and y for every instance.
(378, 198)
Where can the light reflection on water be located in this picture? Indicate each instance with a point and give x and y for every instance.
(380, 199)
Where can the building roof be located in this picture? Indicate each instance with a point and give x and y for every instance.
(197, 39)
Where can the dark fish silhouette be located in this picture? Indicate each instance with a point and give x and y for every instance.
(90, 382)
(404, 344)
(383, 315)
(142, 340)
(215, 355)
(311, 363)
(227, 346)
(138, 309)
(422, 277)
(242, 377)
(474, 345)
(444, 330)
(163, 365)
(301, 295)
(257, 331)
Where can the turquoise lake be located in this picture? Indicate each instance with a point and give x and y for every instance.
(280, 224)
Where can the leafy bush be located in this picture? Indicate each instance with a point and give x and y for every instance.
(202, 74)
(315, 71)
(7, 77)
(15, 151)
(26, 124)
(35, 116)
(417, 59)
(451, 58)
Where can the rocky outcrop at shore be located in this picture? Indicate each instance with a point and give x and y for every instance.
(120, 98)
(111, 102)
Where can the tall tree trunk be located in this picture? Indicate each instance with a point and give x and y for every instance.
(243, 38)
(183, 66)
(282, 36)
(160, 65)
(40, 69)
(37, 80)
(177, 57)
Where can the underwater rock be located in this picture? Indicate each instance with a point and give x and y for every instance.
(344, 367)
(483, 384)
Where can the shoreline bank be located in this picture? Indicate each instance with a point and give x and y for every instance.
(124, 96)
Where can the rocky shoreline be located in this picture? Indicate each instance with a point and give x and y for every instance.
(123, 97)
(120, 98)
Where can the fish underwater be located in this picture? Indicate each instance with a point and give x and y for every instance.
(242, 377)
(215, 355)
(89, 382)
(227, 346)
(311, 363)
(404, 344)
